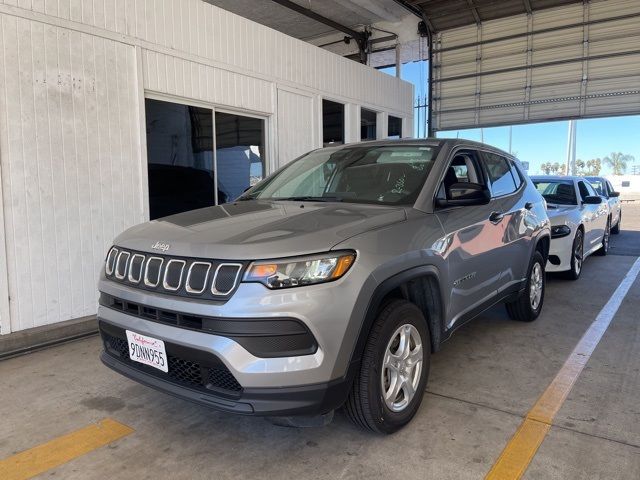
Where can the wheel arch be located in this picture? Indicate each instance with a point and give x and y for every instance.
(419, 285)
(543, 244)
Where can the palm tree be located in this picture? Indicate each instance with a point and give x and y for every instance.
(618, 162)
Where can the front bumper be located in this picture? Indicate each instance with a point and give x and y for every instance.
(303, 400)
(309, 382)
(560, 253)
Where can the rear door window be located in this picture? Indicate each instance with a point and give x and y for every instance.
(499, 173)
(516, 174)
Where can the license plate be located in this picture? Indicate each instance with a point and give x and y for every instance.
(147, 350)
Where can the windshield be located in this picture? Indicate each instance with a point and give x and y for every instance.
(387, 175)
(597, 184)
(560, 192)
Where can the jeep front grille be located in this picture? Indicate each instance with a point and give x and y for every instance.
(190, 277)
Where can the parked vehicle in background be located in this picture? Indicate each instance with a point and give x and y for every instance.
(580, 222)
(605, 189)
(329, 283)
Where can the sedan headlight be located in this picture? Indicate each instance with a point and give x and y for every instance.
(299, 271)
(559, 231)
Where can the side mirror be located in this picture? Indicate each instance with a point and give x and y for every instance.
(592, 200)
(465, 194)
(614, 194)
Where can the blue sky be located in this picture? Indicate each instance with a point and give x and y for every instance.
(546, 142)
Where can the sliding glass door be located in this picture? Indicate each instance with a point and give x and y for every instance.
(185, 171)
(239, 154)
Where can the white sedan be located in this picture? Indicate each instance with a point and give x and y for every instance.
(580, 222)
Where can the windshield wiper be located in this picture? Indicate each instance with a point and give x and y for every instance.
(309, 199)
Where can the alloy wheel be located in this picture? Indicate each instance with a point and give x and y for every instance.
(535, 286)
(401, 367)
(578, 253)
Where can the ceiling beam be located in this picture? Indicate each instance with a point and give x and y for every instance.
(474, 10)
(360, 37)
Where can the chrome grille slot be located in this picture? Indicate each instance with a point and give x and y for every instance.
(226, 278)
(197, 277)
(173, 274)
(121, 264)
(183, 276)
(111, 260)
(152, 271)
(135, 268)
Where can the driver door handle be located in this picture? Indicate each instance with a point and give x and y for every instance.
(496, 217)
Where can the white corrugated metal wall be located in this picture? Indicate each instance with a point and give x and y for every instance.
(73, 76)
(296, 125)
(591, 69)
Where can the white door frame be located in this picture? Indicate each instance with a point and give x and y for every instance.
(5, 314)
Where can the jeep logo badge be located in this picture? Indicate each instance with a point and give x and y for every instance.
(160, 246)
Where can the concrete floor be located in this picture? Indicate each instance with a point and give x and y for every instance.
(482, 383)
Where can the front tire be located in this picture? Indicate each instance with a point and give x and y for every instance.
(389, 387)
(527, 307)
(577, 256)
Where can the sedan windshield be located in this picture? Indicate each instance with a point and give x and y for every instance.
(387, 175)
(597, 184)
(559, 192)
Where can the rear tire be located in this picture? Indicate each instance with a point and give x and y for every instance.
(527, 307)
(373, 403)
(577, 256)
(604, 247)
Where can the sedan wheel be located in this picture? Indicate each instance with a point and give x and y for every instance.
(577, 256)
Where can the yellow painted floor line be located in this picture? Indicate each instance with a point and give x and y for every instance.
(518, 453)
(61, 450)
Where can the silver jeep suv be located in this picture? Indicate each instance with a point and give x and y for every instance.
(328, 284)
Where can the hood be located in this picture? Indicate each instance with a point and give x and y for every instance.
(559, 213)
(253, 230)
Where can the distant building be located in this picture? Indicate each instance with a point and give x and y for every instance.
(627, 185)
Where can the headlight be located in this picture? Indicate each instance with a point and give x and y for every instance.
(299, 271)
(559, 231)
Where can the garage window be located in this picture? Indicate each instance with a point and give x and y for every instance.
(332, 123)
(394, 127)
(368, 124)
